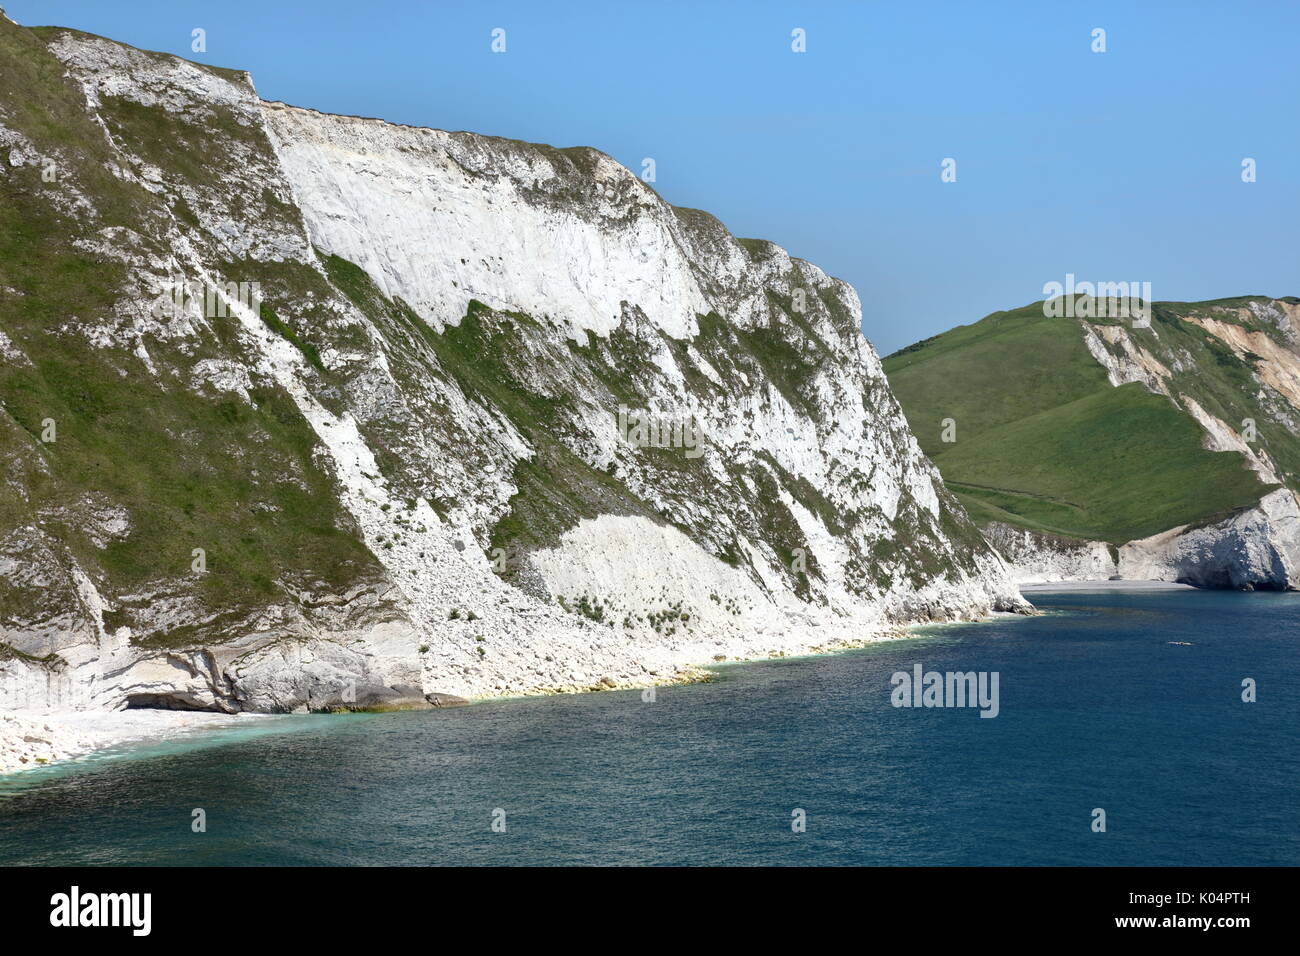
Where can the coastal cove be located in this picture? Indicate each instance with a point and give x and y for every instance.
(1127, 700)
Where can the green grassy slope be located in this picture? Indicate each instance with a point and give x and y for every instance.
(1043, 440)
(192, 468)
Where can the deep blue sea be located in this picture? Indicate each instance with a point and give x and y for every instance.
(1097, 709)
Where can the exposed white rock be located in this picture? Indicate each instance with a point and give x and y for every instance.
(660, 577)
(1219, 436)
(1036, 557)
(28, 742)
(224, 376)
(486, 227)
(9, 352)
(1257, 548)
(1279, 367)
(1123, 359)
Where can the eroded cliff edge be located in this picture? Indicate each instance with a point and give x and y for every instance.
(398, 469)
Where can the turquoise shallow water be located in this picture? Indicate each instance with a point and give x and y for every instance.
(1097, 709)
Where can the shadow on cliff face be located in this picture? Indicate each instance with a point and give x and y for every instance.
(165, 702)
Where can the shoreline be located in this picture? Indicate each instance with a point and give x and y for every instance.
(32, 740)
(36, 740)
(1106, 585)
(701, 673)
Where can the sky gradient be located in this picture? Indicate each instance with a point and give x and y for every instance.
(1115, 166)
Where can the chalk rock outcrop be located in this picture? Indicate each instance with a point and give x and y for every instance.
(333, 412)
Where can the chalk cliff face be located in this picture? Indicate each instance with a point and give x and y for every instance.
(403, 465)
(1257, 547)
(1038, 557)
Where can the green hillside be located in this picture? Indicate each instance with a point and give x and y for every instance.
(1043, 441)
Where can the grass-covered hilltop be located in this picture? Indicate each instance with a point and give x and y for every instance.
(1108, 430)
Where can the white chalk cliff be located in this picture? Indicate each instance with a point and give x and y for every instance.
(451, 323)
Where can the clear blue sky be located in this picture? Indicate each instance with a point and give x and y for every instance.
(1123, 165)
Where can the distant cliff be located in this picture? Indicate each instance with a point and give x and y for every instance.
(1088, 448)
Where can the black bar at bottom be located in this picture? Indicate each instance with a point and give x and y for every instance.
(367, 905)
